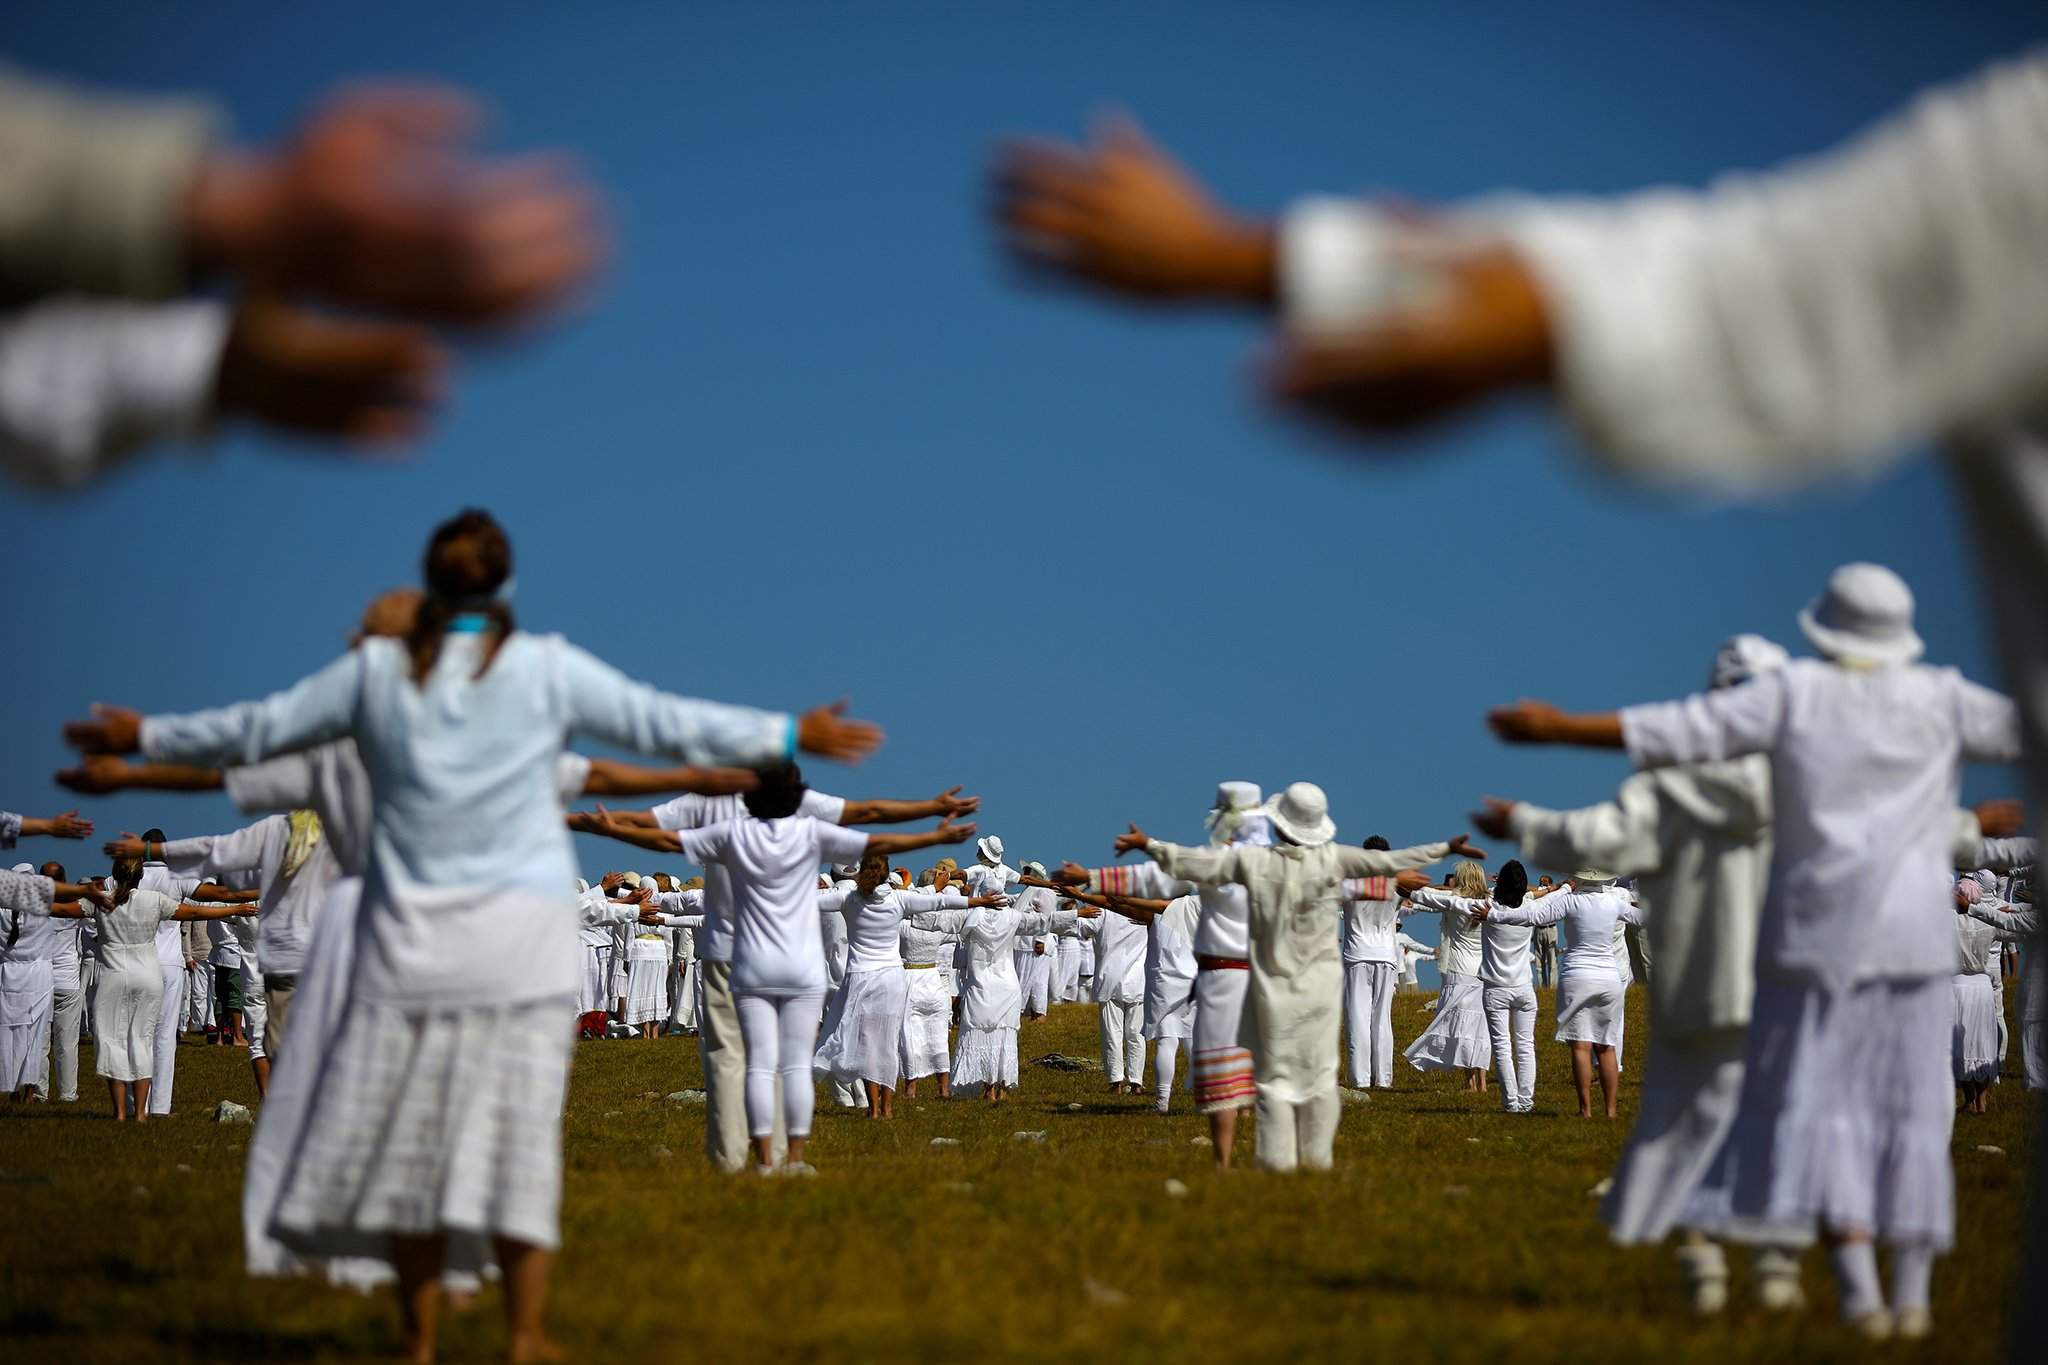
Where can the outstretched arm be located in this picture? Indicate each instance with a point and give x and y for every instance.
(610, 777)
(948, 805)
(1538, 722)
(947, 832)
(65, 826)
(190, 911)
(601, 822)
(102, 774)
(1370, 862)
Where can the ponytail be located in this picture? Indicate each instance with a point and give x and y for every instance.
(468, 564)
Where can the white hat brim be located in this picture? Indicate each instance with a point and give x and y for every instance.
(1840, 644)
(1308, 836)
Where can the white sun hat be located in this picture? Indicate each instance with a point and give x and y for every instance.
(990, 847)
(1302, 814)
(1593, 876)
(1865, 615)
(1036, 869)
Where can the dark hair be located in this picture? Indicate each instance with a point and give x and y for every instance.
(1512, 884)
(127, 876)
(54, 870)
(153, 836)
(1377, 841)
(468, 560)
(779, 792)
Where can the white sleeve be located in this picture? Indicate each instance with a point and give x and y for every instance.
(706, 844)
(1620, 835)
(1531, 913)
(572, 773)
(219, 855)
(605, 704)
(1816, 318)
(1707, 728)
(85, 381)
(841, 845)
(310, 712)
(2003, 855)
(276, 784)
(1987, 722)
(820, 806)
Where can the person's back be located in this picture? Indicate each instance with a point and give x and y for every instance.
(773, 865)
(1590, 919)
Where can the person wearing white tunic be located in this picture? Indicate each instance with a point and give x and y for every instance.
(1698, 837)
(647, 956)
(69, 988)
(1222, 1061)
(1169, 976)
(1120, 944)
(1414, 952)
(928, 1004)
(862, 1040)
(1372, 918)
(1035, 956)
(2016, 924)
(1295, 1002)
(1589, 992)
(1846, 1105)
(1456, 1039)
(1974, 1033)
(720, 1046)
(990, 1000)
(28, 942)
(438, 1111)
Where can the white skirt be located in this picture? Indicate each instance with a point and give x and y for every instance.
(1170, 1009)
(863, 1034)
(1690, 1096)
(1220, 1067)
(432, 1121)
(646, 990)
(1975, 1053)
(1457, 1036)
(595, 979)
(927, 1015)
(1589, 1010)
(127, 1002)
(27, 998)
(1847, 1107)
(987, 1056)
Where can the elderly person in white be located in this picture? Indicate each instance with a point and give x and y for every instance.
(1698, 837)
(1295, 1003)
(1457, 1037)
(1846, 1104)
(452, 1057)
(990, 999)
(861, 1043)
(1372, 966)
(1974, 1056)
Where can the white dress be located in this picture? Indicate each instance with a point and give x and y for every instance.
(1457, 1036)
(862, 1037)
(1974, 1039)
(128, 993)
(1589, 991)
(991, 1001)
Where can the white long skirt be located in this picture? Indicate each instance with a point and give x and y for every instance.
(646, 989)
(1690, 1095)
(1457, 1036)
(1221, 1070)
(432, 1121)
(27, 999)
(863, 1037)
(595, 982)
(1847, 1106)
(927, 1015)
(127, 1003)
(1589, 1010)
(1974, 1047)
(987, 1056)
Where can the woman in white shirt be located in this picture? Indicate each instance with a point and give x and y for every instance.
(1589, 992)
(1509, 994)
(778, 964)
(1974, 1038)
(1456, 1038)
(452, 1056)
(862, 1041)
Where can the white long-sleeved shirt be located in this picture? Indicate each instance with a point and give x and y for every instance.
(693, 810)
(1866, 771)
(874, 924)
(1460, 947)
(467, 895)
(1590, 917)
(1699, 838)
(284, 925)
(778, 947)
(1372, 918)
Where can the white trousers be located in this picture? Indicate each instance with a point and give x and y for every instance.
(781, 1038)
(198, 997)
(1511, 1025)
(68, 1012)
(724, 1054)
(1123, 1042)
(1165, 1054)
(163, 1070)
(1369, 1020)
(1291, 1135)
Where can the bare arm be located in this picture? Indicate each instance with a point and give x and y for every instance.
(190, 911)
(610, 777)
(65, 826)
(946, 833)
(1538, 722)
(100, 774)
(947, 805)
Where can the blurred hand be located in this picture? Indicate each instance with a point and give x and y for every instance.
(826, 732)
(1121, 215)
(2001, 819)
(380, 201)
(372, 382)
(1491, 334)
(1463, 847)
(1134, 840)
(952, 803)
(1410, 881)
(96, 775)
(110, 730)
(1071, 874)
(1492, 821)
(1526, 722)
(951, 833)
(127, 846)
(65, 826)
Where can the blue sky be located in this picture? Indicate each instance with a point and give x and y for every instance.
(811, 438)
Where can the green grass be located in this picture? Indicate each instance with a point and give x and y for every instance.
(1448, 1230)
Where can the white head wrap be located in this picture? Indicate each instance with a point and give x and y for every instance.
(1742, 657)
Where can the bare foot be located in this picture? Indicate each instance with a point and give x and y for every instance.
(540, 1347)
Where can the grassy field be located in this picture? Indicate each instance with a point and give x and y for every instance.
(1447, 1231)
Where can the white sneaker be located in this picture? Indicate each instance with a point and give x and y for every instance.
(1780, 1293)
(1707, 1297)
(1913, 1323)
(800, 1170)
(1876, 1325)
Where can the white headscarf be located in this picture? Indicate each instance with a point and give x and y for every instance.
(1742, 657)
(1236, 803)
